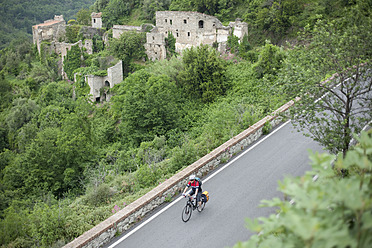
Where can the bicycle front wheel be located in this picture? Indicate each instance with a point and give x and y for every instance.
(186, 212)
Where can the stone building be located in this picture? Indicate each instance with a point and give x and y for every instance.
(50, 30)
(117, 30)
(99, 86)
(190, 29)
(96, 20)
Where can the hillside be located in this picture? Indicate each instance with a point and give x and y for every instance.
(67, 163)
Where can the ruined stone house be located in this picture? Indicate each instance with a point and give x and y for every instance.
(100, 86)
(54, 32)
(190, 29)
(50, 30)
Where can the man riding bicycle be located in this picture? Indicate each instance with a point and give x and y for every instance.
(195, 188)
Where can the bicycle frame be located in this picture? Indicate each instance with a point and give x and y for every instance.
(191, 205)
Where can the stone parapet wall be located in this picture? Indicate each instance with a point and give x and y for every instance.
(122, 220)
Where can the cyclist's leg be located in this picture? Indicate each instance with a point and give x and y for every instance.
(198, 197)
(192, 192)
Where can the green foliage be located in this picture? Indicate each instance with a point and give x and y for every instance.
(72, 61)
(161, 119)
(72, 32)
(204, 74)
(149, 8)
(83, 17)
(233, 43)
(129, 48)
(330, 212)
(116, 9)
(21, 113)
(269, 60)
(98, 44)
(183, 155)
(341, 46)
(98, 195)
(42, 73)
(170, 45)
(147, 106)
(13, 228)
(56, 93)
(5, 93)
(266, 128)
(47, 224)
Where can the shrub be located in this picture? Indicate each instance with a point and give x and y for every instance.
(98, 195)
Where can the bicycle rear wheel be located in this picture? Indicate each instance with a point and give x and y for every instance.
(186, 212)
(201, 207)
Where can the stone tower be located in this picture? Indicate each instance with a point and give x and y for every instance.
(96, 20)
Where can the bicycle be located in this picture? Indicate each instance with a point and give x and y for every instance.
(191, 205)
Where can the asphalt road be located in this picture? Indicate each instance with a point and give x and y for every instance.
(235, 193)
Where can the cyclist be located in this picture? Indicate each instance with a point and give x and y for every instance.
(195, 188)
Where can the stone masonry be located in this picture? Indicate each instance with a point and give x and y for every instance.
(50, 30)
(96, 83)
(117, 30)
(96, 20)
(190, 29)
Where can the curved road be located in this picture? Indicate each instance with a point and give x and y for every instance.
(236, 191)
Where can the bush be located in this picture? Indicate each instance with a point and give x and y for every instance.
(99, 195)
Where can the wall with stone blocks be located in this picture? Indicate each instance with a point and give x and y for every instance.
(122, 220)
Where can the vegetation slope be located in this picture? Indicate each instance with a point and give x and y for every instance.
(68, 163)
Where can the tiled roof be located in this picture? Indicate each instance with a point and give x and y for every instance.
(46, 23)
(96, 15)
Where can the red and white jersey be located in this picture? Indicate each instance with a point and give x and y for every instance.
(194, 185)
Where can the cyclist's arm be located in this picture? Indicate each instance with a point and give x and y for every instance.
(184, 191)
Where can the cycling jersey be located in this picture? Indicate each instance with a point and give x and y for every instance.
(194, 185)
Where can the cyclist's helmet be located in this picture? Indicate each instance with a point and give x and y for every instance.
(192, 177)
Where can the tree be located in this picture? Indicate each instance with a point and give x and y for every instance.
(72, 32)
(170, 45)
(117, 9)
(332, 113)
(148, 105)
(129, 47)
(5, 93)
(204, 74)
(150, 7)
(276, 17)
(83, 17)
(330, 212)
(21, 113)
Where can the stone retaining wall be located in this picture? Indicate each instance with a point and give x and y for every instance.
(122, 220)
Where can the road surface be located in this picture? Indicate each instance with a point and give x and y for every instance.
(235, 189)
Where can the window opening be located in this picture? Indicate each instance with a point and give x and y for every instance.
(188, 34)
(185, 21)
(170, 22)
(201, 24)
(107, 83)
